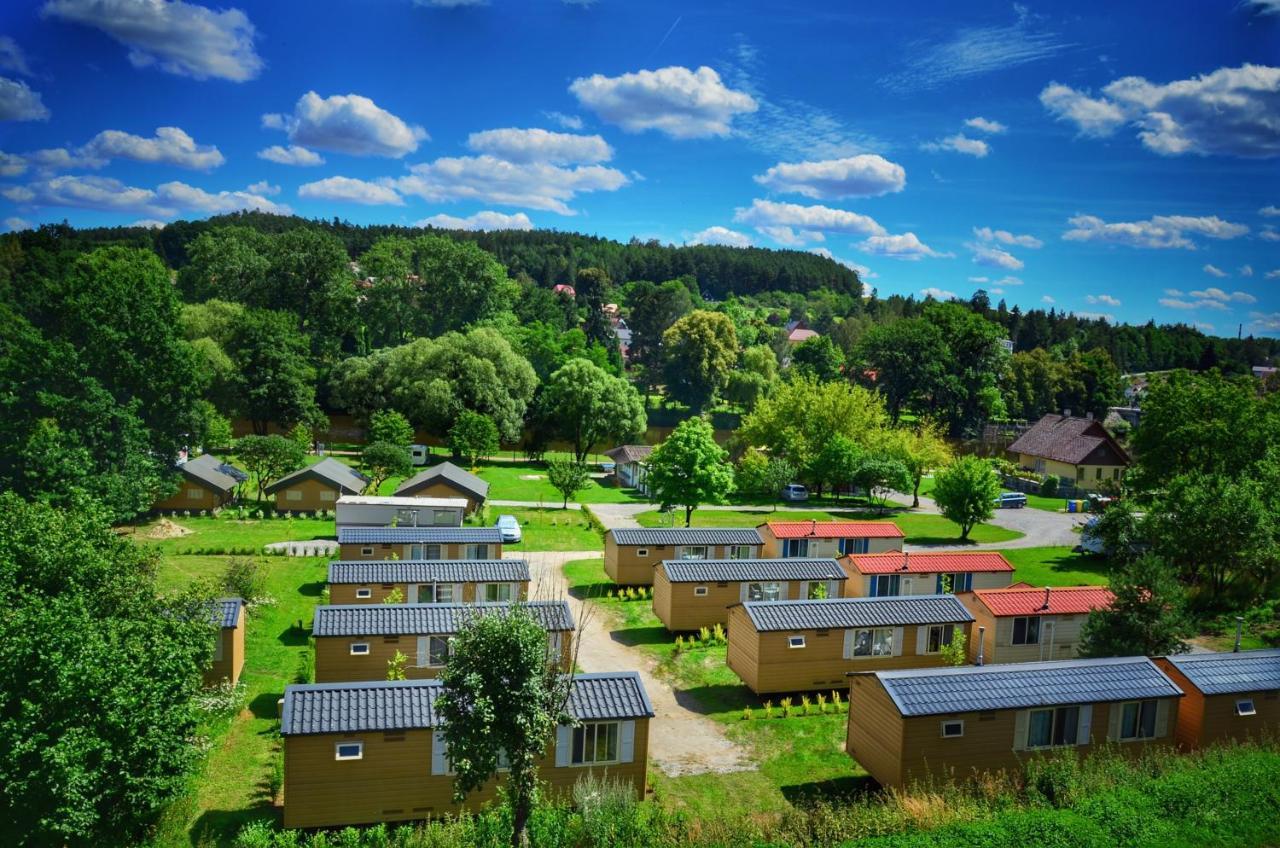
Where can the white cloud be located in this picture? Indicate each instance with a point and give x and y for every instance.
(906, 246)
(937, 293)
(60, 159)
(1009, 281)
(979, 279)
(1269, 234)
(189, 197)
(1267, 323)
(180, 38)
(151, 223)
(12, 165)
(170, 145)
(958, 143)
(1096, 316)
(1230, 111)
(995, 291)
(1203, 326)
(865, 175)
(994, 257)
(1270, 211)
(488, 179)
(1214, 271)
(983, 125)
(19, 103)
(1107, 299)
(537, 145)
(15, 224)
(291, 155)
(789, 237)
(347, 123)
(1225, 297)
(1161, 231)
(1271, 275)
(777, 219)
(675, 100)
(568, 122)
(111, 195)
(349, 190)
(1174, 292)
(12, 58)
(479, 221)
(18, 194)
(264, 188)
(720, 235)
(864, 273)
(1047, 299)
(1264, 7)
(1006, 237)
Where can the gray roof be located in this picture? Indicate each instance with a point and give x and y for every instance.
(449, 473)
(629, 453)
(414, 535)
(1224, 673)
(328, 470)
(429, 571)
(688, 536)
(738, 570)
(936, 691)
(410, 704)
(213, 472)
(424, 619)
(226, 611)
(841, 613)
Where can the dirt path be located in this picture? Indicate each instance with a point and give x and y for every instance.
(681, 741)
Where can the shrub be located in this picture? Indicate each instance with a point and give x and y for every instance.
(822, 704)
(718, 636)
(786, 706)
(805, 703)
(704, 636)
(746, 714)
(1049, 486)
(244, 578)
(225, 698)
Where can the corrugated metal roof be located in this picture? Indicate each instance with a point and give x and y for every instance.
(688, 536)
(925, 563)
(1224, 673)
(1030, 600)
(424, 619)
(391, 500)
(414, 535)
(935, 691)
(429, 571)
(329, 470)
(834, 529)
(226, 611)
(842, 613)
(737, 570)
(447, 472)
(410, 704)
(212, 472)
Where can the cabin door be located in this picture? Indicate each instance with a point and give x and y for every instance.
(1046, 640)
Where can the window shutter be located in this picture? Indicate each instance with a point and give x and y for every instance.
(833, 588)
(848, 644)
(784, 590)
(1114, 711)
(424, 643)
(457, 593)
(564, 744)
(1085, 724)
(897, 641)
(439, 753)
(872, 587)
(626, 741)
(1020, 721)
(412, 595)
(938, 586)
(922, 635)
(743, 587)
(1162, 718)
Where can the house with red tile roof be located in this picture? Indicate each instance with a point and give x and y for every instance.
(1024, 623)
(923, 573)
(829, 538)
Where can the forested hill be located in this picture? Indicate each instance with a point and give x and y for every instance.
(547, 256)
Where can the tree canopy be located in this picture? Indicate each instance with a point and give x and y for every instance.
(689, 469)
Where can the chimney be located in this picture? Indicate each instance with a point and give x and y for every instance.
(982, 633)
(813, 527)
(906, 559)
(1045, 606)
(1239, 632)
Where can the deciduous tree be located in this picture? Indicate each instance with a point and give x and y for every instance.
(966, 491)
(472, 436)
(268, 457)
(275, 383)
(700, 350)
(568, 477)
(1148, 615)
(689, 469)
(589, 406)
(384, 460)
(388, 425)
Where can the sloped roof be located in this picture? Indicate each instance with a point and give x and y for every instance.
(410, 704)
(834, 529)
(918, 562)
(328, 470)
(225, 612)
(1030, 600)
(448, 473)
(629, 453)
(391, 500)
(937, 691)
(1069, 440)
(841, 613)
(801, 335)
(424, 619)
(210, 471)
(429, 571)
(738, 570)
(415, 535)
(687, 536)
(1224, 673)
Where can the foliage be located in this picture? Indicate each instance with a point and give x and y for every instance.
(568, 477)
(210, 430)
(755, 377)
(301, 434)
(472, 436)
(268, 458)
(956, 651)
(837, 463)
(763, 476)
(1148, 615)
(390, 426)
(965, 492)
(274, 380)
(907, 358)
(818, 357)
(396, 666)
(653, 309)
(921, 450)
(700, 350)
(395, 596)
(1040, 381)
(244, 579)
(384, 460)
(880, 476)
(590, 406)
(689, 469)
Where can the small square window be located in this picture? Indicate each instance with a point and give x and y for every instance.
(293, 495)
(952, 729)
(795, 641)
(359, 649)
(349, 751)
(1245, 707)
(195, 494)
(364, 593)
(642, 551)
(700, 591)
(328, 495)
(366, 552)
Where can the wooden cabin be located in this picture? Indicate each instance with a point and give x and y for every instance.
(228, 650)
(1230, 696)
(382, 543)
(386, 511)
(693, 593)
(446, 480)
(950, 723)
(829, 538)
(631, 555)
(794, 646)
(429, 581)
(204, 483)
(1024, 623)
(920, 573)
(316, 487)
(355, 641)
(361, 753)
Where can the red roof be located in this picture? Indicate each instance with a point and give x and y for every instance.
(925, 563)
(834, 529)
(800, 335)
(1063, 600)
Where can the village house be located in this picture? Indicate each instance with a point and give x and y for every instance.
(207, 483)
(360, 753)
(920, 573)
(793, 646)
(379, 543)
(828, 538)
(629, 466)
(1079, 451)
(1023, 623)
(631, 555)
(228, 648)
(951, 723)
(355, 641)
(446, 480)
(429, 581)
(387, 511)
(1230, 696)
(693, 593)
(316, 487)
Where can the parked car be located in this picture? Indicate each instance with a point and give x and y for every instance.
(795, 492)
(418, 454)
(608, 467)
(1011, 500)
(509, 528)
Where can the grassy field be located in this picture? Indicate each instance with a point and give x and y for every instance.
(1056, 566)
(550, 529)
(920, 528)
(1033, 501)
(226, 532)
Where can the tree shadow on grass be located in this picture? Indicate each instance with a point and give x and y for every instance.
(717, 698)
(295, 636)
(312, 590)
(1073, 562)
(266, 705)
(219, 827)
(944, 541)
(836, 789)
(591, 591)
(633, 636)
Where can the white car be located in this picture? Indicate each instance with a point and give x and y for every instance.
(795, 492)
(509, 528)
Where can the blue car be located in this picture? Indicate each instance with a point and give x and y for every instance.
(1011, 500)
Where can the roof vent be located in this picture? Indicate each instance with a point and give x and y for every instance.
(1045, 606)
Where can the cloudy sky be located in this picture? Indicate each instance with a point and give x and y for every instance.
(1110, 161)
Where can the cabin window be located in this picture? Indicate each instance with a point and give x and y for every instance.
(437, 651)
(740, 552)
(1057, 726)
(952, 729)
(939, 636)
(424, 552)
(855, 546)
(886, 585)
(699, 591)
(764, 591)
(873, 642)
(348, 751)
(951, 583)
(442, 516)
(364, 593)
(795, 641)
(499, 592)
(1026, 630)
(328, 495)
(693, 552)
(1079, 474)
(477, 552)
(642, 552)
(359, 649)
(195, 494)
(293, 495)
(595, 743)
(1098, 474)
(435, 593)
(1138, 720)
(366, 552)
(1245, 707)
(1115, 474)
(795, 548)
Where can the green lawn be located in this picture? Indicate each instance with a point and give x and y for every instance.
(920, 528)
(551, 529)
(1056, 566)
(226, 533)
(1033, 501)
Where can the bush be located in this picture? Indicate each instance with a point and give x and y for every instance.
(244, 579)
(1049, 486)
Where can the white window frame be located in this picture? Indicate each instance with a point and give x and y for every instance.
(292, 494)
(764, 596)
(796, 641)
(431, 654)
(352, 650)
(366, 551)
(420, 551)
(642, 552)
(740, 552)
(328, 495)
(442, 517)
(685, 549)
(358, 755)
(1246, 707)
(942, 640)
(795, 548)
(1013, 629)
(363, 594)
(1137, 719)
(511, 592)
(951, 723)
(699, 591)
(580, 732)
(871, 641)
(478, 550)
(1055, 713)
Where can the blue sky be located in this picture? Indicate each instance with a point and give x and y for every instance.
(1113, 159)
